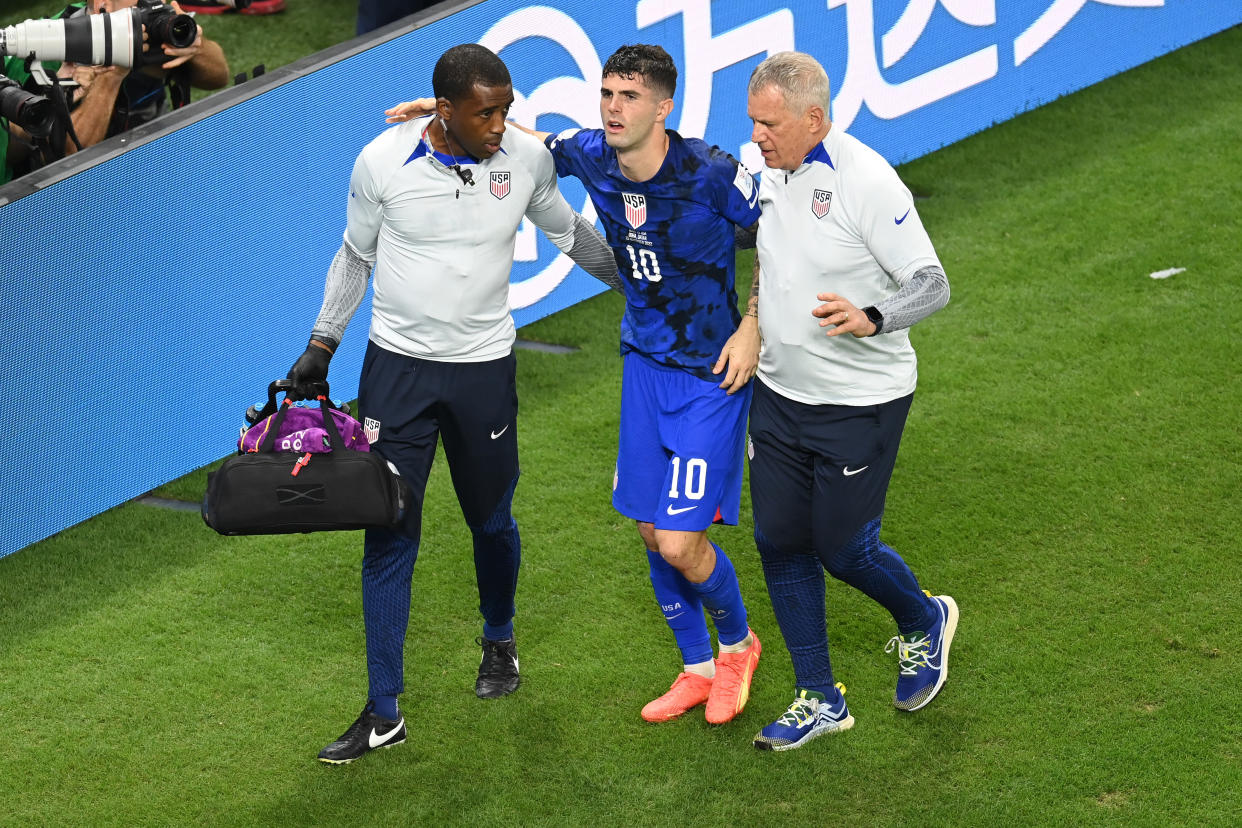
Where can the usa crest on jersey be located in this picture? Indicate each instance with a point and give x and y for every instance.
(635, 209)
(500, 184)
(821, 200)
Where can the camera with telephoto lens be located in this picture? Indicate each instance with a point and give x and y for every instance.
(33, 113)
(113, 39)
(165, 25)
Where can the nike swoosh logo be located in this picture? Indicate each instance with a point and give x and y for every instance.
(848, 472)
(671, 617)
(672, 511)
(496, 434)
(903, 218)
(377, 739)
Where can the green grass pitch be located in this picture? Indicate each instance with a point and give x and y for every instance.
(1070, 474)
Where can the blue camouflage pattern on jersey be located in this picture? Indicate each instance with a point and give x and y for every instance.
(672, 238)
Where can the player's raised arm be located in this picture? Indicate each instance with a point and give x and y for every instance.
(410, 110)
(417, 108)
(542, 136)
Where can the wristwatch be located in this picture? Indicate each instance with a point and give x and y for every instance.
(876, 318)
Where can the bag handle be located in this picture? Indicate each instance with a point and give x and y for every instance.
(335, 440)
(255, 414)
(268, 443)
(329, 424)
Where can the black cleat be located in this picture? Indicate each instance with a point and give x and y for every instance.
(498, 671)
(368, 733)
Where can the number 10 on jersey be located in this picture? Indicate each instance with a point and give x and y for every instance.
(644, 264)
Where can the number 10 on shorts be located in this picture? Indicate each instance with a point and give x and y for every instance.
(696, 478)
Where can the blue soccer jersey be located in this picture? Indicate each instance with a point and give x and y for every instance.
(673, 236)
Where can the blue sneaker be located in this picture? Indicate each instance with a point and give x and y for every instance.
(809, 716)
(924, 657)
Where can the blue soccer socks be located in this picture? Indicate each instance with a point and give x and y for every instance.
(682, 602)
(923, 657)
(722, 597)
(682, 610)
(811, 715)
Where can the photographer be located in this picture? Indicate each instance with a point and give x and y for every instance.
(112, 99)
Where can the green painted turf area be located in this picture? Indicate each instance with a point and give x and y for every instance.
(1070, 474)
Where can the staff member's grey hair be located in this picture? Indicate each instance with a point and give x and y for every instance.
(798, 76)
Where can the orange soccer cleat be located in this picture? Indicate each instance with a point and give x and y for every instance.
(731, 687)
(689, 690)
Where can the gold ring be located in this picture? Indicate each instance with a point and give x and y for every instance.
(847, 317)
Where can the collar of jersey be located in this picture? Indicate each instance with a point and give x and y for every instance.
(614, 166)
(819, 155)
(424, 148)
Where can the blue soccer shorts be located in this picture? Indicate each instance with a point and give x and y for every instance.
(679, 457)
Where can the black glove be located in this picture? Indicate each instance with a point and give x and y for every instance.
(311, 369)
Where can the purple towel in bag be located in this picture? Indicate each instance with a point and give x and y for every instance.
(302, 431)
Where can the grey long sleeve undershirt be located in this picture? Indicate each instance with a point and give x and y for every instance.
(343, 290)
(591, 253)
(349, 273)
(924, 293)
